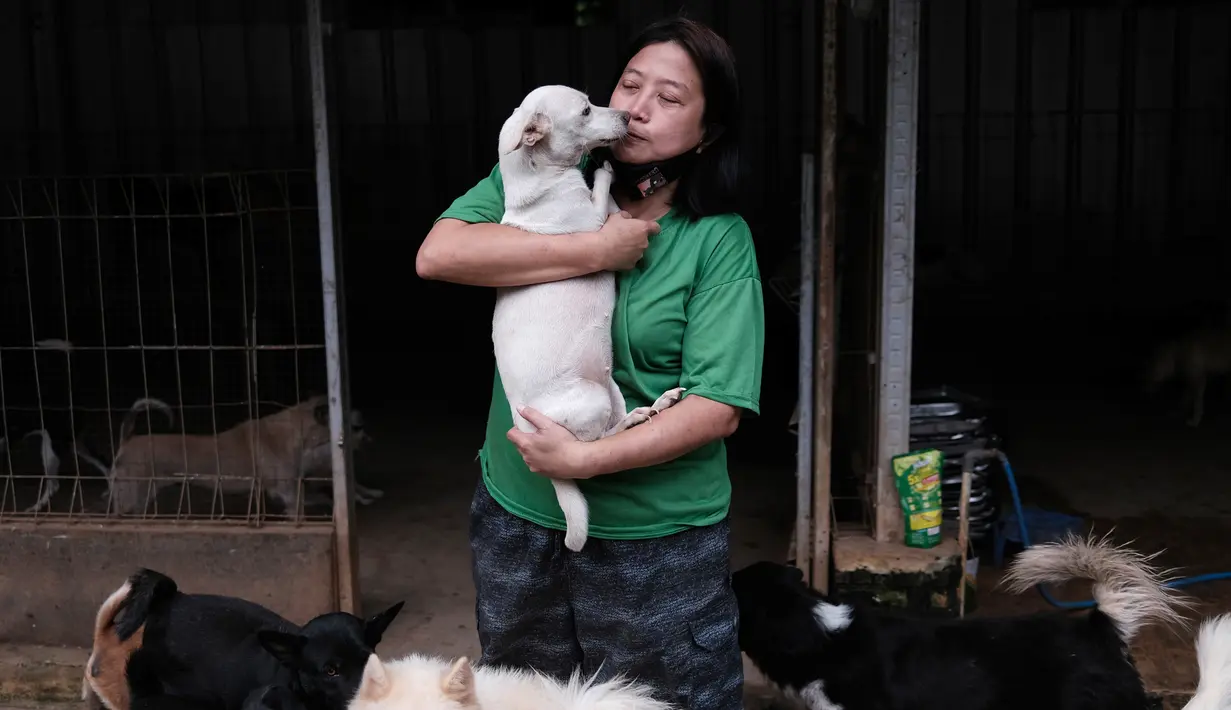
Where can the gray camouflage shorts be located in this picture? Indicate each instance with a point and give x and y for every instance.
(658, 610)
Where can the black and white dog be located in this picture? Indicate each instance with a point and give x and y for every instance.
(835, 656)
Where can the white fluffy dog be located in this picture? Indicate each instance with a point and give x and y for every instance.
(426, 683)
(1214, 661)
(553, 340)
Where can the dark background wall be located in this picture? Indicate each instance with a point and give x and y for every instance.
(1074, 166)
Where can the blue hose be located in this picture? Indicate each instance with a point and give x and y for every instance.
(1021, 522)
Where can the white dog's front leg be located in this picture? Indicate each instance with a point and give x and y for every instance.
(601, 194)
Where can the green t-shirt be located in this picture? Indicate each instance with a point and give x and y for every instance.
(689, 314)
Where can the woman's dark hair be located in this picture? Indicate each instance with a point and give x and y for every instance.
(711, 185)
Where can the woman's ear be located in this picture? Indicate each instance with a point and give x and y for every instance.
(712, 133)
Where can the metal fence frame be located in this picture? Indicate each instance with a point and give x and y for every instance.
(340, 425)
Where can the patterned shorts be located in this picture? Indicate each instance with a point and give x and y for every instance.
(659, 610)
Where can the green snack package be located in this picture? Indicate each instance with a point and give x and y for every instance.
(917, 475)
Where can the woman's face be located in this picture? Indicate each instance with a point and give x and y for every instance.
(661, 89)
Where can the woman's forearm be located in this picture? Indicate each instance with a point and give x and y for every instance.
(692, 423)
(497, 255)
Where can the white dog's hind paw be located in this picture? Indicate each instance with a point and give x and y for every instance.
(668, 399)
(640, 415)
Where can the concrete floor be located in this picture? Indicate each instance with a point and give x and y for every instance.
(1146, 478)
(414, 546)
(1153, 480)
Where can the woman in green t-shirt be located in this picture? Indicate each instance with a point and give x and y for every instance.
(649, 595)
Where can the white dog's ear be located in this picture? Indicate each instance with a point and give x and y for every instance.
(458, 683)
(374, 685)
(520, 131)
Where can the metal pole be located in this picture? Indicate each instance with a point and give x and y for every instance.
(898, 253)
(804, 430)
(345, 547)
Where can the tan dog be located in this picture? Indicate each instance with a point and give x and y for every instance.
(317, 463)
(105, 681)
(274, 447)
(1192, 358)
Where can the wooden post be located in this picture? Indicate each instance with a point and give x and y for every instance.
(826, 353)
(963, 535)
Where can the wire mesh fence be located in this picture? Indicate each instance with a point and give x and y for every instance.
(161, 349)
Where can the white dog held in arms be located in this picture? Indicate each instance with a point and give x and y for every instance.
(553, 340)
(427, 683)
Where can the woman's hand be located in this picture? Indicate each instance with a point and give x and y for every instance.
(624, 239)
(551, 451)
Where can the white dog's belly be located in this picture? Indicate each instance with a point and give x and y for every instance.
(557, 329)
(552, 344)
(584, 407)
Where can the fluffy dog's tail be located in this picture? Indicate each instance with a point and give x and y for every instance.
(1126, 587)
(142, 405)
(1214, 662)
(618, 693)
(147, 589)
(50, 485)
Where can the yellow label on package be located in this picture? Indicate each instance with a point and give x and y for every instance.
(919, 493)
(926, 520)
(921, 470)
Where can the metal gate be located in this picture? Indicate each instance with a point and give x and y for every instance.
(173, 386)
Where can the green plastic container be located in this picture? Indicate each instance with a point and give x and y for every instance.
(917, 475)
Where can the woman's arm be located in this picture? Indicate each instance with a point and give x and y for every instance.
(468, 244)
(690, 424)
(490, 254)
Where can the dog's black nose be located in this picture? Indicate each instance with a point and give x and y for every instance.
(625, 116)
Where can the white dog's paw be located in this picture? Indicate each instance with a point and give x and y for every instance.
(603, 177)
(668, 399)
(640, 415)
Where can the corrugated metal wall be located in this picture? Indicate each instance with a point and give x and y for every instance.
(1078, 143)
(148, 86)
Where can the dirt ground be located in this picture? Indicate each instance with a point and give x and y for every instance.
(1155, 482)
(1150, 481)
